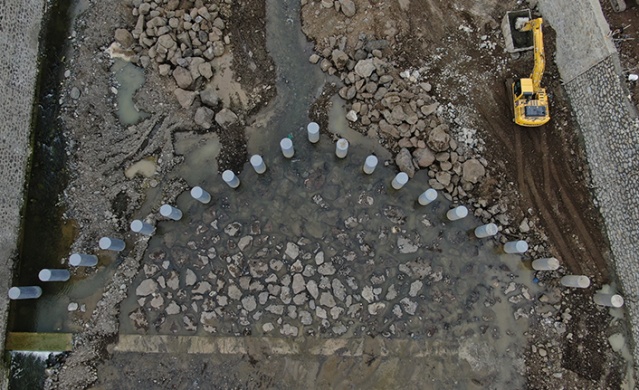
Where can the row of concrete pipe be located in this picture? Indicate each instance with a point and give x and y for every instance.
(288, 151)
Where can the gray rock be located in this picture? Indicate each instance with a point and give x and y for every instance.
(292, 250)
(289, 330)
(404, 162)
(339, 290)
(367, 294)
(305, 317)
(472, 170)
(364, 68)
(275, 309)
(202, 288)
(438, 139)
(351, 116)
(429, 109)
(409, 306)
(248, 303)
(299, 284)
(166, 41)
(205, 70)
(124, 38)
(415, 287)
(147, 287)
(234, 292)
(245, 242)
(340, 59)
(443, 178)
(326, 299)
(326, 269)
(75, 93)
(319, 258)
(185, 98)
(138, 317)
(157, 301)
(311, 287)
(320, 312)
(424, 157)
(314, 59)
(391, 293)
(376, 308)
(226, 117)
(232, 228)
(348, 7)
(204, 117)
(182, 77)
(405, 245)
(173, 308)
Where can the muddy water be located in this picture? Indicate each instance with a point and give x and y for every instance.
(384, 266)
(130, 78)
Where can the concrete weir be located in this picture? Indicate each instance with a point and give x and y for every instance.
(20, 24)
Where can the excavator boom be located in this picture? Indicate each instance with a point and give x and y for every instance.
(540, 57)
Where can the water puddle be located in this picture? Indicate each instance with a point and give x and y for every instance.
(27, 369)
(130, 78)
(146, 167)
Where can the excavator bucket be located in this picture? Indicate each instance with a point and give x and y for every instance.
(516, 40)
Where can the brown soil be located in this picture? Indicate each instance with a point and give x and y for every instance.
(539, 174)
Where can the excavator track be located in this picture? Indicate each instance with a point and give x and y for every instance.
(511, 99)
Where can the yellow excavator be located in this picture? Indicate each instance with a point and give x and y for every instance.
(529, 99)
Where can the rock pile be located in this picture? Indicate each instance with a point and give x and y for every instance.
(395, 106)
(181, 39)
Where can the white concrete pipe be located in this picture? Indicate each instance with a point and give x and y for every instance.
(54, 275)
(198, 193)
(457, 213)
(138, 226)
(83, 260)
(520, 246)
(313, 130)
(111, 244)
(341, 148)
(287, 147)
(27, 292)
(427, 197)
(229, 178)
(370, 164)
(399, 180)
(545, 264)
(258, 163)
(487, 230)
(577, 281)
(610, 300)
(170, 212)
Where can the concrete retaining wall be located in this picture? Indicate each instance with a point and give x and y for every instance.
(610, 129)
(20, 24)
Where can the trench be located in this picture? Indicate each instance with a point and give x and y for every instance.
(46, 235)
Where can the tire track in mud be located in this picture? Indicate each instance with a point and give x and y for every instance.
(542, 187)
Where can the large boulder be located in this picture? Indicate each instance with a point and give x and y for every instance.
(364, 68)
(182, 77)
(424, 157)
(340, 59)
(225, 117)
(185, 98)
(404, 162)
(124, 38)
(204, 117)
(438, 139)
(348, 7)
(472, 170)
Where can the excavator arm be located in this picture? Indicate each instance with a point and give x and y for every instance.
(540, 57)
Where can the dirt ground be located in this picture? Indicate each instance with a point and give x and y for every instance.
(538, 175)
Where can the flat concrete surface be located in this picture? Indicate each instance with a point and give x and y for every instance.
(20, 23)
(42, 342)
(582, 34)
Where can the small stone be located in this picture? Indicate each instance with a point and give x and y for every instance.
(326, 269)
(190, 277)
(376, 308)
(409, 306)
(319, 258)
(182, 77)
(209, 97)
(226, 117)
(326, 299)
(405, 245)
(173, 308)
(364, 68)
(348, 7)
(233, 228)
(289, 330)
(75, 93)
(424, 157)
(234, 292)
(299, 284)
(367, 294)
(314, 59)
(311, 287)
(472, 171)
(72, 306)
(268, 327)
(292, 250)
(404, 162)
(204, 117)
(124, 38)
(415, 287)
(185, 98)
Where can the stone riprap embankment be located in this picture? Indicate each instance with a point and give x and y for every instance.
(20, 23)
(608, 123)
